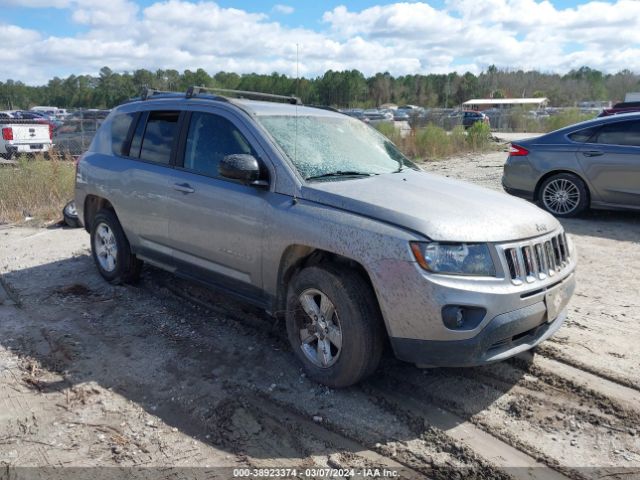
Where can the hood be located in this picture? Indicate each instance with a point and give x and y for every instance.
(438, 207)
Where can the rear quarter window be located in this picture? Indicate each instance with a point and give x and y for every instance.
(119, 131)
(582, 136)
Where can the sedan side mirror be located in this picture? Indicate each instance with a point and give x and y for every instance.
(242, 167)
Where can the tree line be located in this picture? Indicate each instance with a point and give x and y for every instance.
(348, 88)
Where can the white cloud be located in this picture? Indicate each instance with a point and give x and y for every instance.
(104, 14)
(401, 38)
(284, 9)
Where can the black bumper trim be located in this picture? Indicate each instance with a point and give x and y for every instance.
(506, 335)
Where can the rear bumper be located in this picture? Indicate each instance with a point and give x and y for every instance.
(18, 148)
(527, 195)
(504, 336)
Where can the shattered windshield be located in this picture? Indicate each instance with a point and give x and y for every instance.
(328, 147)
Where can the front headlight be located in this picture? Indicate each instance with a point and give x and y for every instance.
(454, 258)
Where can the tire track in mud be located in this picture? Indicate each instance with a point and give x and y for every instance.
(410, 457)
(513, 408)
(484, 444)
(554, 354)
(622, 400)
(518, 376)
(505, 451)
(351, 453)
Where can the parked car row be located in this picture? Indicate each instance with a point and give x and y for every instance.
(405, 113)
(74, 136)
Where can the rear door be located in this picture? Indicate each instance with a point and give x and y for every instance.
(611, 162)
(143, 175)
(216, 225)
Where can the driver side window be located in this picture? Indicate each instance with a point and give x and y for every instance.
(210, 138)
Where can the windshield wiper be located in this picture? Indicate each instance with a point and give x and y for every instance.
(340, 173)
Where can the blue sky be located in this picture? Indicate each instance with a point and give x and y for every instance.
(55, 21)
(43, 38)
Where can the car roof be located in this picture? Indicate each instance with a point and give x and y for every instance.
(252, 107)
(262, 108)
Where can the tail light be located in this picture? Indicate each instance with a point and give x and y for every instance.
(517, 151)
(76, 161)
(51, 131)
(7, 133)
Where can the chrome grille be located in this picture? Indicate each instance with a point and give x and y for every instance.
(537, 259)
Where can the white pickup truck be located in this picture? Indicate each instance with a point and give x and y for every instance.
(23, 136)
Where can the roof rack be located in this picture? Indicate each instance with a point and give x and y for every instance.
(150, 92)
(194, 91)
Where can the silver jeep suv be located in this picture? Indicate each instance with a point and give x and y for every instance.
(317, 218)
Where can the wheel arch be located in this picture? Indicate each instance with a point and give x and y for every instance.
(297, 257)
(92, 205)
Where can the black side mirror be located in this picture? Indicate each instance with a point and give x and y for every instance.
(243, 167)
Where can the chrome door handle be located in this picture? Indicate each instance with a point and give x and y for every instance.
(183, 187)
(592, 153)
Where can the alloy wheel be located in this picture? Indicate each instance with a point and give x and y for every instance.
(320, 331)
(561, 196)
(106, 248)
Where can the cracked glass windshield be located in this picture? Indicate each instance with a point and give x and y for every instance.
(328, 147)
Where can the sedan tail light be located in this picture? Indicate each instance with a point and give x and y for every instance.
(517, 151)
(7, 133)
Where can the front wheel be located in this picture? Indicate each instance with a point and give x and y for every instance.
(111, 251)
(564, 195)
(334, 325)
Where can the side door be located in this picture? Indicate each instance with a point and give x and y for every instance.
(144, 173)
(611, 162)
(216, 225)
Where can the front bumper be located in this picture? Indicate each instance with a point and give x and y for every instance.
(514, 310)
(504, 336)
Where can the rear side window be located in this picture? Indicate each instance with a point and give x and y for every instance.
(119, 131)
(158, 137)
(620, 133)
(582, 136)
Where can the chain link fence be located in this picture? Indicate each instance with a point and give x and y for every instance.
(74, 136)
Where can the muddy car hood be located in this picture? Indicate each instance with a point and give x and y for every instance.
(438, 207)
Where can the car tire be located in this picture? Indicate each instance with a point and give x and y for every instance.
(111, 251)
(70, 215)
(564, 195)
(352, 334)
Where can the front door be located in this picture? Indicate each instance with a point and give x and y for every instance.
(216, 225)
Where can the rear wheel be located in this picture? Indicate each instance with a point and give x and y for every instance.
(111, 251)
(334, 325)
(564, 195)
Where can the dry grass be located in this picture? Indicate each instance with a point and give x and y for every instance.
(432, 142)
(35, 187)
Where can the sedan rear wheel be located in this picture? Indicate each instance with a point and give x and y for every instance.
(564, 195)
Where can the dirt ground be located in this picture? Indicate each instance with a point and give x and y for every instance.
(167, 380)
